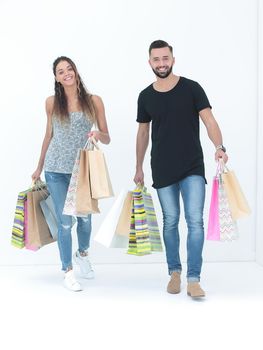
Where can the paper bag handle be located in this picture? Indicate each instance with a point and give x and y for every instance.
(91, 142)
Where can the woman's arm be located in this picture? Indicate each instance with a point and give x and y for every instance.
(102, 134)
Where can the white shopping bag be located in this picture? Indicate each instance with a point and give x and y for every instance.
(106, 234)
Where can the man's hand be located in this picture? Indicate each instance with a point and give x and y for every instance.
(222, 155)
(139, 177)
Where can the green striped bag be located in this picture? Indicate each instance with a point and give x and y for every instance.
(139, 238)
(18, 235)
(155, 239)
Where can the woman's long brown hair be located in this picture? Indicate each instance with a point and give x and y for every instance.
(60, 108)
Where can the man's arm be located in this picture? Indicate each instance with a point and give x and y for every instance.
(141, 147)
(213, 132)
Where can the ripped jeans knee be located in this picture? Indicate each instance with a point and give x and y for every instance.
(64, 228)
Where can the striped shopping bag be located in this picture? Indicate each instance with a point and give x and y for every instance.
(139, 238)
(18, 235)
(154, 233)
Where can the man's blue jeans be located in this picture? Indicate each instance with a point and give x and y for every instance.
(57, 184)
(192, 189)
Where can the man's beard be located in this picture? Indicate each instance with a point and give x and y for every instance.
(163, 75)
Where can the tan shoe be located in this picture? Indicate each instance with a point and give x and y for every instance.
(194, 290)
(174, 286)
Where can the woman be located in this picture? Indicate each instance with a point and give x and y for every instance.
(71, 113)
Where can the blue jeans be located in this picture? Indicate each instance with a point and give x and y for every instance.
(192, 189)
(57, 184)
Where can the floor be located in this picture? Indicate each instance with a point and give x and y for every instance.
(126, 307)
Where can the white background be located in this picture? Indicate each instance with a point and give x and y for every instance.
(215, 43)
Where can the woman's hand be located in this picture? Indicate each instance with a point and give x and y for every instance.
(95, 134)
(36, 175)
(103, 137)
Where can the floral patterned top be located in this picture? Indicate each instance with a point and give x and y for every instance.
(67, 138)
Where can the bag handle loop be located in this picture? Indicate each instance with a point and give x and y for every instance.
(91, 142)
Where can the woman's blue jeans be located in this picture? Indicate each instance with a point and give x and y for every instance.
(192, 189)
(57, 184)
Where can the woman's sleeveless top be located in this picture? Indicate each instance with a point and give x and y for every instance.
(68, 137)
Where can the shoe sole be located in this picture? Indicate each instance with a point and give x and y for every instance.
(86, 277)
(177, 292)
(72, 290)
(196, 296)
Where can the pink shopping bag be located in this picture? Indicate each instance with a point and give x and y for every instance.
(213, 232)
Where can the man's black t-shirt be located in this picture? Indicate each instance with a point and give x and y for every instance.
(176, 149)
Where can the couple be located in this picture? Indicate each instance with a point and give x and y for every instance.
(173, 104)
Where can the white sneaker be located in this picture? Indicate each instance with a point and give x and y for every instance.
(85, 266)
(70, 282)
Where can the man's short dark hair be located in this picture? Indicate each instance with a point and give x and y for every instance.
(159, 44)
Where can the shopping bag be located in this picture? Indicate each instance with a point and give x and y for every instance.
(18, 234)
(139, 238)
(48, 210)
(124, 221)
(100, 183)
(154, 233)
(81, 206)
(85, 204)
(27, 244)
(213, 231)
(37, 228)
(106, 234)
(70, 201)
(227, 225)
(238, 204)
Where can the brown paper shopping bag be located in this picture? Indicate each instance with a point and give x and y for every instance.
(237, 201)
(124, 222)
(100, 183)
(85, 204)
(37, 229)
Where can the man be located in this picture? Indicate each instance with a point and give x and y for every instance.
(174, 104)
